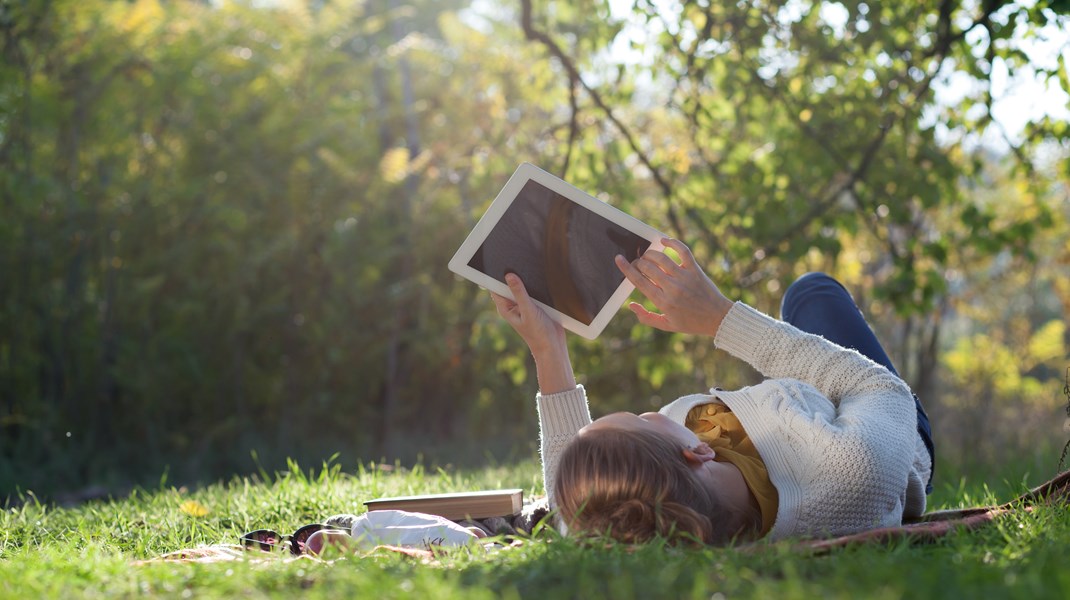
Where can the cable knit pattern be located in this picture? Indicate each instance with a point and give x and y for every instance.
(836, 431)
(561, 416)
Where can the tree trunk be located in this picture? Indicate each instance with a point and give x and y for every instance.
(395, 345)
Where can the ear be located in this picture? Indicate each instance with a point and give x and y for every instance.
(698, 455)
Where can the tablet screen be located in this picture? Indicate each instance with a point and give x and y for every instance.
(562, 251)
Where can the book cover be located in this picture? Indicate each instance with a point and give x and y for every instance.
(457, 506)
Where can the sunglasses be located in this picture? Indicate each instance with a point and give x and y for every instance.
(267, 540)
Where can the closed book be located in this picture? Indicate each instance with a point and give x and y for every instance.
(457, 506)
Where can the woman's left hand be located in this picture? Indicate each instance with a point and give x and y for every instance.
(688, 300)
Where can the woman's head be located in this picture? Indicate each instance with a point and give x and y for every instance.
(635, 478)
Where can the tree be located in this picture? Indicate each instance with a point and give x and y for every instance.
(224, 227)
(777, 134)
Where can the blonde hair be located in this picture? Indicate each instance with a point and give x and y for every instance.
(634, 486)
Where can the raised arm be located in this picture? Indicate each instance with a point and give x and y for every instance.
(779, 350)
(562, 405)
(691, 303)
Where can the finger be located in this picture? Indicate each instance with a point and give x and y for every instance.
(681, 249)
(668, 276)
(662, 261)
(652, 319)
(651, 271)
(636, 278)
(520, 293)
(503, 304)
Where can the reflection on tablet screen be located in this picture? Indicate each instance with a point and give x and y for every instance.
(562, 251)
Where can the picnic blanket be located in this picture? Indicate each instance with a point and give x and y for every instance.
(214, 553)
(937, 524)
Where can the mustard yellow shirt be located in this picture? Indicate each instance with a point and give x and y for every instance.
(716, 425)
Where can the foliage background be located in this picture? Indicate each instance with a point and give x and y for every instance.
(224, 225)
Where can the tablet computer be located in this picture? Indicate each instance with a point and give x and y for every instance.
(561, 242)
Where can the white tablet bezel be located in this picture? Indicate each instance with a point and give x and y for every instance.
(529, 172)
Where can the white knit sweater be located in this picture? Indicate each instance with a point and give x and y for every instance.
(837, 432)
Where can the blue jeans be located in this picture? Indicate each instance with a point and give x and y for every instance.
(817, 303)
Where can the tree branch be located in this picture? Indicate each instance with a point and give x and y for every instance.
(941, 47)
(533, 34)
(573, 125)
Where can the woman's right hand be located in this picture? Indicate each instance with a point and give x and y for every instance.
(544, 337)
(540, 332)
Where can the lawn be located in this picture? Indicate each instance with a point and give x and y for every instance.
(92, 550)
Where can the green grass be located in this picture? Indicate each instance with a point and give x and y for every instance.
(90, 550)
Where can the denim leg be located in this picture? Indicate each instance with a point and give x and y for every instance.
(816, 303)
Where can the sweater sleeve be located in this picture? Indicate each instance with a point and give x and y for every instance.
(561, 416)
(856, 385)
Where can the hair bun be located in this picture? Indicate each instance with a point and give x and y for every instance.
(635, 517)
(676, 520)
(635, 520)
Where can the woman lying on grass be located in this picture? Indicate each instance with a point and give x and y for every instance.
(832, 443)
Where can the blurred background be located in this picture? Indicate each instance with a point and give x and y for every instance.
(224, 226)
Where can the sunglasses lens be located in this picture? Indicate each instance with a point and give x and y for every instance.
(264, 539)
(300, 537)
